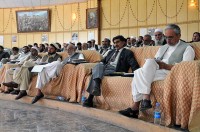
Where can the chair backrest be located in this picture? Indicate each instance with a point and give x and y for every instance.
(196, 47)
(92, 56)
(142, 53)
(63, 54)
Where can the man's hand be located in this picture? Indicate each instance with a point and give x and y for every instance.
(165, 66)
(20, 65)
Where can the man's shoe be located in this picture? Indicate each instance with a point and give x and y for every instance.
(97, 87)
(36, 98)
(96, 91)
(145, 105)
(129, 113)
(8, 91)
(15, 92)
(87, 103)
(11, 84)
(20, 95)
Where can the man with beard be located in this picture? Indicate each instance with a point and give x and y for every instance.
(22, 77)
(53, 69)
(105, 47)
(159, 37)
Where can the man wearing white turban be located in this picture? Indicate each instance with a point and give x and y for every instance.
(23, 75)
(159, 37)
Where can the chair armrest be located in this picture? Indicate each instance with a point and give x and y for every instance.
(86, 67)
(181, 92)
(8, 66)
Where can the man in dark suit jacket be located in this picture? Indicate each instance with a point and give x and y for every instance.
(117, 60)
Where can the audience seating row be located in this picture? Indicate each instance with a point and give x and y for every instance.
(179, 93)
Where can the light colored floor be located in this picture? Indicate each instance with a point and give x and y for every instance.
(19, 117)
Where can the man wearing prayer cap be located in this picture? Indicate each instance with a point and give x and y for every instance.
(53, 69)
(52, 55)
(159, 37)
(22, 75)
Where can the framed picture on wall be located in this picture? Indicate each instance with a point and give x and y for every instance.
(33, 21)
(92, 18)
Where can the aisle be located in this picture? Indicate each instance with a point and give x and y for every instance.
(19, 117)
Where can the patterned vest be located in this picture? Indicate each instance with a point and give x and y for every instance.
(50, 58)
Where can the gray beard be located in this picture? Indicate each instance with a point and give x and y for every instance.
(159, 42)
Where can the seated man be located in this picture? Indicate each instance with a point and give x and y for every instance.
(53, 70)
(146, 40)
(195, 37)
(22, 57)
(3, 54)
(11, 73)
(117, 60)
(29, 62)
(128, 45)
(84, 46)
(23, 77)
(14, 56)
(159, 37)
(105, 47)
(167, 56)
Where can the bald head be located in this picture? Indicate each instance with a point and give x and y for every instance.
(71, 49)
(84, 46)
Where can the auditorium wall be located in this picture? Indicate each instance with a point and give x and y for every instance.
(62, 24)
(125, 17)
(134, 15)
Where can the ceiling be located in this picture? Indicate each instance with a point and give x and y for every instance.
(33, 3)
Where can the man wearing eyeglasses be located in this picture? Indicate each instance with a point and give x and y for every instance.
(119, 59)
(159, 37)
(156, 69)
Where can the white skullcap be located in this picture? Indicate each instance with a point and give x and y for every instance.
(158, 30)
(55, 45)
(133, 37)
(35, 48)
(107, 38)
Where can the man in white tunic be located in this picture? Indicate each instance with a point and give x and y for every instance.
(53, 69)
(167, 56)
(22, 78)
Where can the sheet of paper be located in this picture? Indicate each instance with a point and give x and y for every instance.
(1, 40)
(38, 68)
(90, 36)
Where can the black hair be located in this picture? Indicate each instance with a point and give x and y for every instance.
(120, 37)
(89, 42)
(26, 47)
(196, 33)
(59, 45)
(79, 43)
(35, 44)
(15, 49)
(1, 47)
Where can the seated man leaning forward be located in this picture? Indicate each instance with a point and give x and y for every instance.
(167, 56)
(119, 59)
(53, 70)
(22, 73)
(22, 78)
